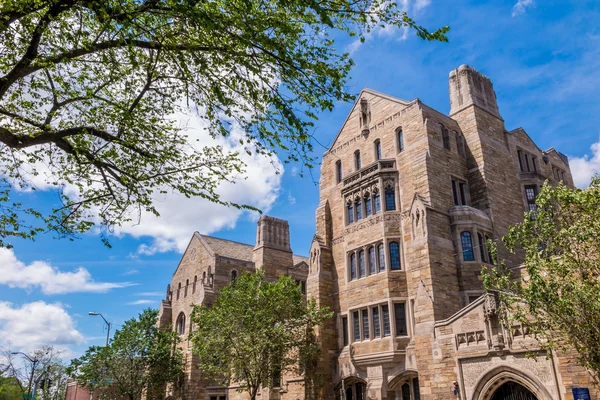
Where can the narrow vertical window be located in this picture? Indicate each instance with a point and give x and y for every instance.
(455, 193)
(365, 323)
(400, 319)
(338, 169)
(445, 138)
(372, 265)
(394, 256)
(405, 391)
(350, 213)
(481, 244)
(378, 149)
(460, 141)
(526, 162)
(195, 282)
(357, 159)
(520, 157)
(358, 206)
(376, 326)
(368, 205)
(353, 266)
(362, 270)
(356, 327)
(463, 193)
(377, 201)
(233, 275)
(390, 199)
(178, 290)
(400, 139)
(467, 246)
(185, 290)
(534, 163)
(530, 195)
(303, 286)
(345, 330)
(381, 254)
(416, 390)
(385, 313)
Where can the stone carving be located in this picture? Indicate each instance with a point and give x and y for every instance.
(470, 338)
(490, 307)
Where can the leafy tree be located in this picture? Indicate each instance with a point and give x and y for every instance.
(10, 388)
(140, 359)
(90, 91)
(256, 330)
(556, 293)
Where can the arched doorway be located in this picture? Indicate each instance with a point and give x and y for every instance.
(513, 391)
(352, 388)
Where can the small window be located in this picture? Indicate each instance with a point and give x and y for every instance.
(530, 195)
(445, 137)
(178, 290)
(405, 391)
(400, 319)
(368, 205)
(460, 140)
(361, 264)
(195, 283)
(534, 163)
(185, 290)
(376, 323)
(356, 327)
(481, 244)
(459, 192)
(467, 246)
(400, 140)
(385, 313)
(180, 324)
(353, 266)
(377, 145)
(390, 199)
(303, 286)
(377, 201)
(395, 256)
(233, 275)
(358, 207)
(365, 323)
(345, 330)
(338, 168)
(416, 389)
(357, 160)
(350, 213)
(381, 254)
(372, 265)
(527, 162)
(520, 157)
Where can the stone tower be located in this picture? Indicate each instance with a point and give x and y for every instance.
(272, 250)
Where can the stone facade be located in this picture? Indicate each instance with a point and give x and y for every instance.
(408, 199)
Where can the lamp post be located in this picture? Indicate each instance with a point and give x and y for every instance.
(93, 313)
(34, 361)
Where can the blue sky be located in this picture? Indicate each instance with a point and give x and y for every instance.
(542, 56)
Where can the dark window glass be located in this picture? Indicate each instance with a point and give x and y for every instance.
(394, 256)
(530, 195)
(180, 325)
(349, 394)
(357, 159)
(352, 266)
(400, 136)
(467, 246)
(372, 265)
(455, 193)
(390, 199)
(350, 213)
(378, 150)
(303, 287)
(377, 200)
(195, 282)
(178, 290)
(461, 145)
(356, 326)
(376, 326)
(361, 264)
(365, 322)
(360, 390)
(385, 313)
(534, 163)
(345, 330)
(406, 391)
(446, 138)
(358, 206)
(187, 283)
(338, 166)
(416, 389)
(527, 162)
(381, 253)
(520, 157)
(368, 207)
(481, 247)
(400, 319)
(463, 194)
(233, 275)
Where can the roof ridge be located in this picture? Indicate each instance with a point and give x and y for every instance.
(243, 244)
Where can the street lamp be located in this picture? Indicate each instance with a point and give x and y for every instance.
(93, 313)
(34, 361)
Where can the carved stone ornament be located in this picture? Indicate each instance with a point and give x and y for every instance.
(490, 307)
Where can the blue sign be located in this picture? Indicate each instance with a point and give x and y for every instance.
(581, 394)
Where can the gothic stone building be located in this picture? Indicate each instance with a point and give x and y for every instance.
(408, 198)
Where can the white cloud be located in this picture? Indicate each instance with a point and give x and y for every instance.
(51, 280)
(583, 168)
(140, 302)
(291, 199)
(33, 325)
(521, 7)
(130, 272)
(147, 294)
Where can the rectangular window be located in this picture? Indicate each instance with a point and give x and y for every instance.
(385, 312)
(365, 324)
(353, 266)
(372, 265)
(530, 195)
(376, 326)
(378, 150)
(381, 254)
(356, 326)
(527, 162)
(400, 319)
(358, 206)
(534, 163)
(338, 166)
(368, 208)
(377, 200)
(350, 213)
(416, 390)
(459, 192)
(455, 193)
(520, 157)
(463, 195)
(362, 270)
(345, 330)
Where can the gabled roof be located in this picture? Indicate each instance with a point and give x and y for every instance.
(237, 250)
(298, 259)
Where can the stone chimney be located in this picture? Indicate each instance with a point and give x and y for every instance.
(468, 87)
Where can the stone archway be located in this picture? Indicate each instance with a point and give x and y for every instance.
(504, 379)
(351, 388)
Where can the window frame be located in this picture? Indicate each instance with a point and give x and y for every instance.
(393, 257)
(338, 171)
(460, 192)
(400, 139)
(389, 189)
(463, 235)
(404, 319)
(357, 160)
(377, 148)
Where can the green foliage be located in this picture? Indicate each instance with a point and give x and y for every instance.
(256, 330)
(557, 293)
(89, 92)
(140, 359)
(10, 389)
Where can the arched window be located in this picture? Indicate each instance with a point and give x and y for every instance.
(338, 169)
(180, 324)
(362, 270)
(390, 199)
(377, 202)
(350, 213)
(445, 137)
(460, 140)
(481, 244)
(395, 256)
(372, 265)
(187, 283)
(467, 246)
(406, 392)
(381, 254)
(352, 266)
(358, 206)
(400, 140)
(377, 145)
(195, 282)
(357, 159)
(178, 290)
(204, 277)
(368, 205)
(233, 275)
